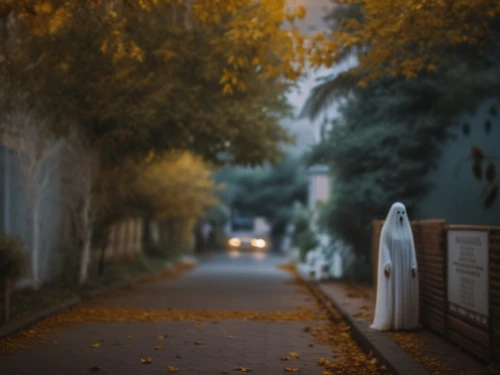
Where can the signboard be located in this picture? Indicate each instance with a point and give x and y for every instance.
(468, 275)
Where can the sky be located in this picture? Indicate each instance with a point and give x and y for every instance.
(303, 129)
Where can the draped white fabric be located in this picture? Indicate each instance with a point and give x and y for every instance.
(397, 295)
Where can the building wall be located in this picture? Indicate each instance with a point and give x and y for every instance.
(319, 187)
(16, 218)
(456, 195)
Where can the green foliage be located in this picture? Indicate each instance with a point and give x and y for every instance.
(217, 216)
(389, 135)
(13, 261)
(303, 237)
(359, 271)
(176, 235)
(380, 152)
(269, 192)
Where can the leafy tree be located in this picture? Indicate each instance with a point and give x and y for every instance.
(303, 237)
(387, 138)
(177, 186)
(408, 38)
(433, 98)
(28, 135)
(246, 26)
(207, 82)
(269, 192)
(82, 159)
(144, 77)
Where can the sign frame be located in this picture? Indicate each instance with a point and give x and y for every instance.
(462, 247)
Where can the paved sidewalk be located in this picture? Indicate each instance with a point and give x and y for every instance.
(7, 329)
(419, 352)
(119, 330)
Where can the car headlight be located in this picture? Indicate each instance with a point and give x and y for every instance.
(258, 243)
(234, 242)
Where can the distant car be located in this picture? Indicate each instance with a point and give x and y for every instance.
(244, 237)
(247, 241)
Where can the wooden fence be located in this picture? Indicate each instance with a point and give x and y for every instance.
(476, 333)
(125, 239)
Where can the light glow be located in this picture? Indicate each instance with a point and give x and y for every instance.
(259, 243)
(234, 242)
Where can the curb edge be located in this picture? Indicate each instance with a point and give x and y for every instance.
(368, 340)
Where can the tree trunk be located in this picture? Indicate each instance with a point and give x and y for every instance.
(146, 234)
(87, 243)
(100, 270)
(35, 248)
(7, 290)
(85, 261)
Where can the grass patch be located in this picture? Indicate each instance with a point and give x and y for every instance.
(118, 272)
(27, 301)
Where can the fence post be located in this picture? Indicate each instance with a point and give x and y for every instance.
(444, 238)
(490, 315)
(140, 228)
(418, 238)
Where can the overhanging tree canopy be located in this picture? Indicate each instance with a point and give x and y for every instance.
(408, 37)
(140, 76)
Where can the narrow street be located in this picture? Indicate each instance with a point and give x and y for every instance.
(227, 313)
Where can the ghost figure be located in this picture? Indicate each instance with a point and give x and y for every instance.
(397, 288)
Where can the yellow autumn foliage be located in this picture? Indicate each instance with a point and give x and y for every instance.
(178, 185)
(246, 25)
(407, 37)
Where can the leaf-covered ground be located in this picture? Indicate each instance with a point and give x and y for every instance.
(346, 358)
(421, 345)
(26, 301)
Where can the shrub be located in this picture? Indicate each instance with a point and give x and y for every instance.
(359, 271)
(13, 261)
(303, 237)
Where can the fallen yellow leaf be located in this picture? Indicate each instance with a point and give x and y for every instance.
(294, 355)
(292, 369)
(161, 337)
(197, 343)
(285, 358)
(146, 361)
(158, 347)
(243, 369)
(172, 369)
(95, 345)
(129, 337)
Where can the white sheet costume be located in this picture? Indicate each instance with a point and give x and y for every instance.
(397, 294)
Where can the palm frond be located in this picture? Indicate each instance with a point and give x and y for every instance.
(323, 94)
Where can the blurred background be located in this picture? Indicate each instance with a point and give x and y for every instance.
(128, 141)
